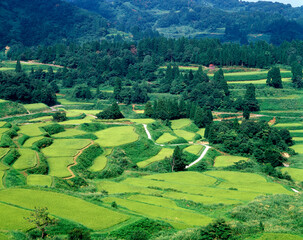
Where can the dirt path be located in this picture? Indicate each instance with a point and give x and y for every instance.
(162, 145)
(75, 161)
(38, 63)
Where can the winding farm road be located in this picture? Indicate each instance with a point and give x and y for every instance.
(188, 166)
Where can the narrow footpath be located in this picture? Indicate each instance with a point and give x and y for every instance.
(162, 145)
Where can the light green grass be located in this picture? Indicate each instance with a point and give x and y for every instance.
(225, 161)
(248, 182)
(298, 148)
(42, 119)
(3, 152)
(3, 167)
(166, 138)
(189, 136)
(33, 129)
(100, 162)
(263, 81)
(279, 236)
(87, 119)
(58, 166)
(4, 236)
(61, 205)
(159, 201)
(29, 142)
(180, 123)
(1, 178)
(295, 173)
(3, 130)
(298, 139)
(201, 132)
(2, 124)
(166, 214)
(142, 120)
(296, 131)
(207, 200)
(194, 149)
(286, 125)
(116, 136)
(69, 133)
(12, 218)
(28, 159)
(65, 147)
(120, 187)
(39, 180)
(36, 107)
(164, 152)
(64, 101)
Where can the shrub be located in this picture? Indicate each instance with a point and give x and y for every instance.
(21, 140)
(112, 112)
(54, 128)
(92, 127)
(59, 117)
(11, 157)
(42, 168)
(45, 142)
(6, 141)
(14, 178)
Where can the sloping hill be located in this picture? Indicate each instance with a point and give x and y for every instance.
(32, 22)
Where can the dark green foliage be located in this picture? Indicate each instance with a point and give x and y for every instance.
(6, 141)
(88, 155)
(274, 78)
(54, 128)
(42, 168)
(92, 127)
(148, 227)
(246, 113)
(114, 205)
(45, 142)
(79, 233)
(220, 82)
(217, 230)
(149, 111)
(112, 112)
(11, 157)
(81, 92)
(59, 117)
(14, 178)
(297, 75)
(251, 138)
(271, 210)
(117, 89)
(178, 161)
(18, 67)
(203, 117)
(21, 140)
(250, 100)
(139, 94)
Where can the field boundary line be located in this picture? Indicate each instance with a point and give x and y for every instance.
(75, 161)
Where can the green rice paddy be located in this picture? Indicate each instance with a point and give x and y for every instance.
(164, 152)
(100, 162)
(194, 149)
(28, 159)
(116, 136)
(29, 142)
(225, 161)
(61, 205)
(189, 136)
(36, 107)
(68, 133)
(39, 180)
(180, 123)
(58, 166)
(278, 236)
(166, 138)
(298, 148)
(32, 130)
(295, 173)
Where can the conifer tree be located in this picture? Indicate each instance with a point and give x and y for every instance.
(297, 75)
(18, 67)
(117, 89)
(178, 163)
(148, 111)
(250, 100)
(274, 78)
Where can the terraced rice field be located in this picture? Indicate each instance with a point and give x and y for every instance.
(116, 136)
(32, 130)
(3, 152)
(1, 177)
(201, 132)
(61, 205)
(42, 119)
(29, 142)
(295, 173)
(69, 133)
(172, 215)
(298, 148)
(263, 81)
(189, 136)
(58, 166)
(164, 152)
(166, 138)
(36, 107)
(194, 149)
(142, 120)
(28, 159)
(180, 123)
(277, 236)
(39, 180)
(100, 162)
(225, 161)
(2, 124)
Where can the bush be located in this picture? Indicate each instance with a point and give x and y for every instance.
(21, 140)
(45, 142)
(79, 233)
(14, 178)
(92, 127)
(6, 141)
(112, 112)
(54, 128)
(59, 117)
(11, 157)
(42, 168)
